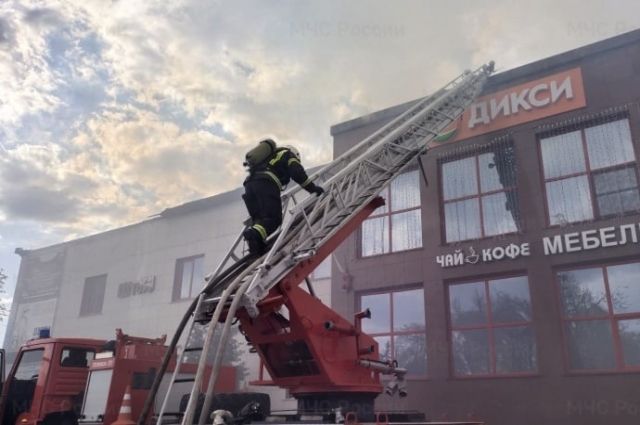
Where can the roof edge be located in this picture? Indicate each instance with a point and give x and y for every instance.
(495, 81)
(171, 212)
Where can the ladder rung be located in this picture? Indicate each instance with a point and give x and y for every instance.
(444, 114)
(184, 380)
(215, 300)
(192, 349)
(429, 131)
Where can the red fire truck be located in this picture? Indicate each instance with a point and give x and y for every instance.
(64, 381)
(47, 381)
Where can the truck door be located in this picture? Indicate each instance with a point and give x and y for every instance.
(67, 379)
(22, 385)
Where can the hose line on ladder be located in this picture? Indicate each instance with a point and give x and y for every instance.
(217, 362)
(210, 287)
(208, 340)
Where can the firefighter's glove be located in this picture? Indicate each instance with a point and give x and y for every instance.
(313, 188)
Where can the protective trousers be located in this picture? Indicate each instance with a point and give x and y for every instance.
(262, 198)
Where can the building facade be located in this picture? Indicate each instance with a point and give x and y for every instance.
(504, 270)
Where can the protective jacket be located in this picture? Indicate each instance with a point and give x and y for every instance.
(283, 167)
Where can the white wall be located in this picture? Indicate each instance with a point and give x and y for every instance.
(148, 249)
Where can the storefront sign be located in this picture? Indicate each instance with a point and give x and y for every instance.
(144, 285)
(508, 252)
(565, 243)
(591, 239)
(526, 102)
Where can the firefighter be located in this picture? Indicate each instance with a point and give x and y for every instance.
(270, 170)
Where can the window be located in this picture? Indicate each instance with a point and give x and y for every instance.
(93, 295)
(398, 325)
(29, 366)
(601, 317)
(20, 394)
(590, 173)
(490, 325)
(397, 225)
(479, 194)
(189, 277)
(76, 357)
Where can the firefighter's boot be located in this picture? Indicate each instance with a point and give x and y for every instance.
(257, 245)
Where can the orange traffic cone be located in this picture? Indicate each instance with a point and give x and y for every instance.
(124, 415)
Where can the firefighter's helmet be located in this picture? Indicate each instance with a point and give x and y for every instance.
(294, 151)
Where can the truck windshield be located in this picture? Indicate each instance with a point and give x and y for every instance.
(22, 385)
(29, 366)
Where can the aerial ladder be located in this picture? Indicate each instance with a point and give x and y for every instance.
(324, 360)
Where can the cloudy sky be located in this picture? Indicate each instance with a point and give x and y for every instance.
(112, 110)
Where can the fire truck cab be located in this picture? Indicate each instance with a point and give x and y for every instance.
(47, 381)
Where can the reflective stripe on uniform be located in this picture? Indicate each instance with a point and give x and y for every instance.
(273, 177)
(278, 157)
(260, 228)
(292, 160)
(306, 182)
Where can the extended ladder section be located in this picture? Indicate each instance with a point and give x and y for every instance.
(293, 346)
